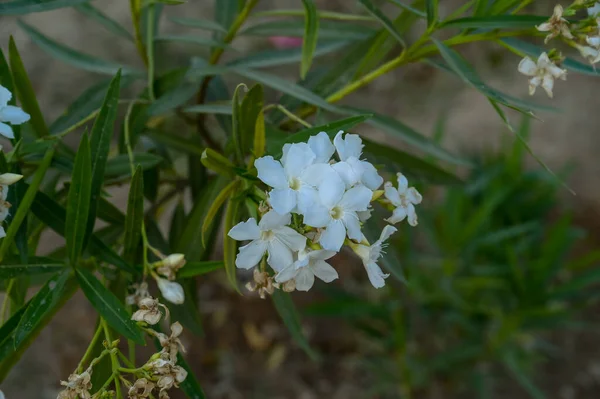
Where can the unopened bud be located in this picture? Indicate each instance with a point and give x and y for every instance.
(9, 178)
(172, 291)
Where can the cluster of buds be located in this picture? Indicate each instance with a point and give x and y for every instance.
(165, 272)
(320, 197)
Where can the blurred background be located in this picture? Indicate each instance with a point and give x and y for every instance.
(490, 296)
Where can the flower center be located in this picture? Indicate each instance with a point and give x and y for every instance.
(294, 183)
(336, 212)
(267, 235)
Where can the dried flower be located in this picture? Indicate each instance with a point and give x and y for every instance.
(542, 73)
(167, 373)
(78, 385)
(149, 311)
(169, 266)
(140, 292)
(263, 284)
(141, 389)
(556, 25)
(171, 344)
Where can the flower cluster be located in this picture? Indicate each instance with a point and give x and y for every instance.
(77, 386)
(320, 195)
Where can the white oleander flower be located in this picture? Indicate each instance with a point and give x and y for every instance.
(171, 290)
(591, 54)
(542, 73)
(308, 265)
(10, 114)
(370, 254)
(595, 10)
(336, 210)
(271, 235)
(351, 169)
(404, 199)
(556, 25)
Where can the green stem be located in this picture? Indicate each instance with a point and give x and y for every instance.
(135, 7)
(113, 358)
(90, 348)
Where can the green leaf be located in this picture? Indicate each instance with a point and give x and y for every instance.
(410, 9)
(236, 122)
(199, 23)
(495, 22)
(311, 32)
(328, 30)
(225, 13)
(78, 202)
(21, 7)
(110, 24)
(199, 40)
(25, 204)
(193, 269)
(134, 218)
(217, 163)
(252, 105)
(110, 213)
(260, 139)
(339, 16)
(43, 303)
(521, 376)
(74, 57)
(100, 139)
(229, 244)
(119, 165)
(223, 109)
(25, 90)
(12, 268)
(385, 21)
(173, 98)
(431, 9)
(226, 193)
(286, 309)
(109, 306)
(171, 140)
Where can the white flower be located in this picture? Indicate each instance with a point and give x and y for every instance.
(370, 254)
(404, 199)
(556, 25)
(309, 265)
(270, 235)
(336, 210)
(350, 168)
(542, 74)
(9, 114)
(594, 11)
(591, 54)
(172, 291)
(321, 145)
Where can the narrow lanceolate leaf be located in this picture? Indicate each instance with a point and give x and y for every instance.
(431, 9)
(223, 109)
(217, 163)
(496, 22)
(12, 267)
(42, 304)
(21, 7)
(78, 203)
(311, 32)
(120, 166)
(193, 269)
(110, 24)
(23, 209)
(100, 139)
(74, 57)
(199, 23)
(236, 119)
(227, 192)
(287, 310)
(385, 21)
(172, 141)
(328, 30)
(252, 105)
(25, 90)
(260, 139)
(229, 244)
(109, 306)
(135, 215)
(199, 40)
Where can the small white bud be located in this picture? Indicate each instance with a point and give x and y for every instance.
(172, 291)
(8, 179)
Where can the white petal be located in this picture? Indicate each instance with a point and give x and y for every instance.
(291, 238)
(172, 291)
(398, 215)
(593, 41)
(402, 183)
(533, 84)
(286, 274)
(352, 225)
(284, 151)
(595, 10)
(333, 236)
(6, 131)
(317, 216)
(322, 147)
(280, 255)
(370, 177)
(273, 220)
(305, 279)
(376, 275)
(545, 27)
(5, 96)
(324, 271)
(346, 173)
(2, 232)
(9, 178)
(392, 194)
(558, 12)
(299, 156)
(320, 254)
(314, 174)
(412, 215)
(527, 67)
(414, 196)
(356, 199)
(283, 200)
(543, 60)
(386, 233)
(249, 255)
(548, 84)
(556, 72)
(331, 191)
(13, 115)
(247, 230)
(307, 198)
(348, 146)
(363, 216)
(271, 172)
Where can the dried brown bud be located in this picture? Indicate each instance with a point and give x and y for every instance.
(148, 312)
(141, 389)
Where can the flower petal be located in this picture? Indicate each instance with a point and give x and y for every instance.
(13, 115)
(321, 254)
(548, 84)
(280, 255)
(172, 291)
(356, 199)
(298, 157)
(392, 194)
(352, 224)
(305, 279)
(414, 196)
(333, 236)
(398, 215)
(291, 238)
(6, 131)
(527, 67)
(331, 191)
(317, 216)
(595, 10)
(544, 27)
(348, 146)
(286, 274)
(273, 220)
(376, 275)
(347, 173)
(283, 200)
(249, 255)
(322, 147)
(5, 96)
(314, 174)
(324, 271)
(307, 198)
(2, 232)
(247, 230)
(370, 176)
(386, 233)
(402, 183)
(412, 215)
(271, 172)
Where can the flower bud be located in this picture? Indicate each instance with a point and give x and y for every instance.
(172, 291)
(9, 178)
